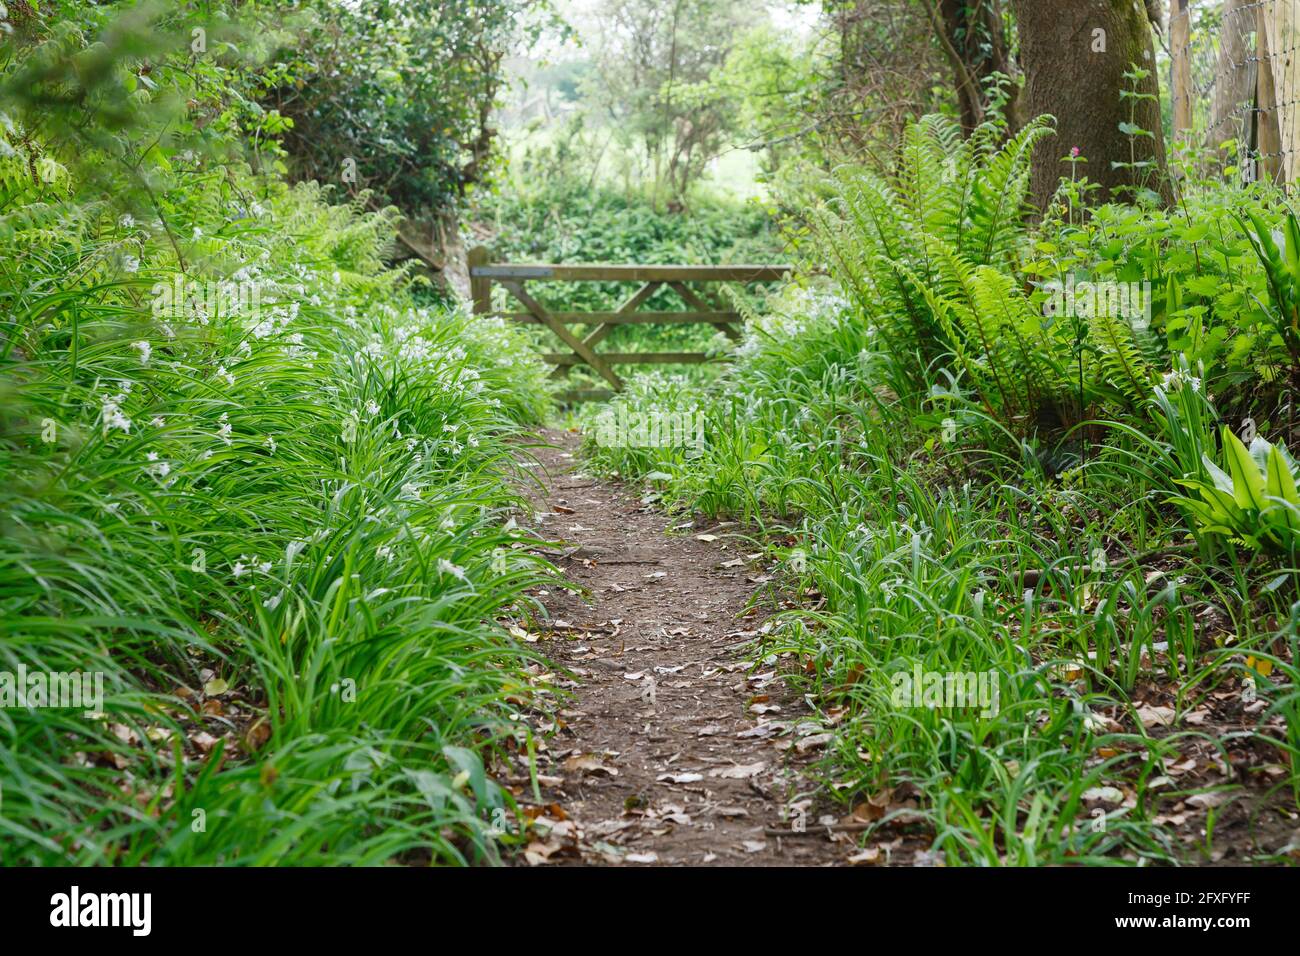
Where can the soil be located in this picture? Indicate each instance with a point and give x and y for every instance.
(677, 746)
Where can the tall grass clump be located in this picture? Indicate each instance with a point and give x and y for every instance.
(247, 479)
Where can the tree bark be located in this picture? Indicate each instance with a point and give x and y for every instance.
(1074, 54)
(972, 37)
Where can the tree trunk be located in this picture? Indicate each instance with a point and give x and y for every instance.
(973, 39)
(1074, 54)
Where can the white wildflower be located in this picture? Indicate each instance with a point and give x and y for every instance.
(145, 350)
(446, 567)
(112, 415)
(157, 468)
(1174, 380)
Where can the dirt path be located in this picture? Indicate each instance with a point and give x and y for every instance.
(674, 750)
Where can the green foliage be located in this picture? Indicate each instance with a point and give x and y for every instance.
(884, 449)
(1210, 299)
(923, 253)
(1279, 252)
(276, 522)
(1254, 502)
(404, 91)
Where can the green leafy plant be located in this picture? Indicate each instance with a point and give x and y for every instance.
(1254, 502)
(1280, 255)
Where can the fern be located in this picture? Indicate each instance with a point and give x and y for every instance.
(1121, 359)
(931, 253)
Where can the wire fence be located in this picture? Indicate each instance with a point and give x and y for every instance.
(1235, 76)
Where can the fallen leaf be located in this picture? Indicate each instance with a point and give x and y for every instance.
(740, 771)
(257, 734)
(1103, 795)
(812, 742)
(588, 764)
(680, 777)
(1151, 714)
(1206, 801)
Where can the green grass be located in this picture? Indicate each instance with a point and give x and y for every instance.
(289, 566)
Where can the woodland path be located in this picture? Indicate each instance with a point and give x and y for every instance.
(674, 749)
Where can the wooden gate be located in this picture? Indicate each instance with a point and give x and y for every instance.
(703, 308)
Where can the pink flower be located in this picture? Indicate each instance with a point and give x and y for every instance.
(1074, 152)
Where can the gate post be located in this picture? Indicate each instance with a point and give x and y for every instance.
(480, 287)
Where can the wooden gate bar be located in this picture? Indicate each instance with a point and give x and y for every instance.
(513, 277)
(567, 337)
(604, 273)
(634, 318)
(695, 302)
(629, 305)
(632, 358)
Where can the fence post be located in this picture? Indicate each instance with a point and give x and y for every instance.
(1180, 34)
(1268, 132)
(480, 288)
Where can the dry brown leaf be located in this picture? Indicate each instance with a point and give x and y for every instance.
(1155, 715)
(588, 764)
